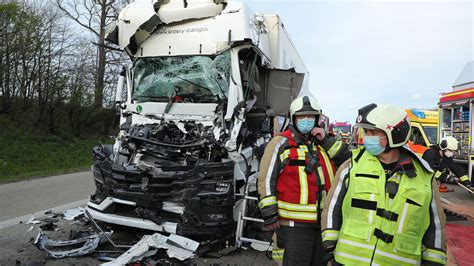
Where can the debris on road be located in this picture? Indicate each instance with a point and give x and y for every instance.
(105, 258)
(33, 220)
(176, 246)
(49, 226)
(72, 214)
(68, 248)
(103, 232)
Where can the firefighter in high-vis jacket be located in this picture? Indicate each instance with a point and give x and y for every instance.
(440, 158)
(296, 171)
(384, 207)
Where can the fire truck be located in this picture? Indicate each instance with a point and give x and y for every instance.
(343, 131)
(455, 115)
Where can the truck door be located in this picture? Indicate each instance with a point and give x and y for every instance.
(267, 91)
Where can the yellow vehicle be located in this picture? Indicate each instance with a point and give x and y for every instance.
(424, 129)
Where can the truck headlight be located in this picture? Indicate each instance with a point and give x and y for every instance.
(222, 187)
(216, 216)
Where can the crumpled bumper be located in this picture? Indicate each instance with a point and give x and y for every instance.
(191, 201)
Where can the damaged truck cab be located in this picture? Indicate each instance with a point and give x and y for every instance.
(207, 79)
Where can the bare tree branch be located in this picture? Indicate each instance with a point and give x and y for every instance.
(108, 47)
(77, 17)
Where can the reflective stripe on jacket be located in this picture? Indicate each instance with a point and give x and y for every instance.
(370, 227)
(297, 191)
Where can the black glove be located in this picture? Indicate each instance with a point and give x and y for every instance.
(443, 177)
(269, 214)
(268, 220)
(328, 254)
(328, 257)
(466, 183)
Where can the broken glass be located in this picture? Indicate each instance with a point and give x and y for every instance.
(197, 78)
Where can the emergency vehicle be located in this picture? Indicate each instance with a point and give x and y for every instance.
(455, 112)
(424, 129)
(343, 130)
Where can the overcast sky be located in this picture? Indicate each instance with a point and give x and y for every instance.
(358, 52)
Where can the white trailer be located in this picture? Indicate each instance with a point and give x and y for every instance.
(197, 103)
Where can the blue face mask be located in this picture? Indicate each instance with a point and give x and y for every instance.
(305, 125)
(372, 145)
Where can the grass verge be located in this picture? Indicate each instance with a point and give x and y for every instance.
(23, 157)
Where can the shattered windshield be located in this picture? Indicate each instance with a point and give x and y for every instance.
(196, 78)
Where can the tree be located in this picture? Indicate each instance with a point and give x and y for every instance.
(10, 14)
(95, 16)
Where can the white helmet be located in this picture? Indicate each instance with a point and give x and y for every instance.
(304, 105)
(392, 120)
(448, 143)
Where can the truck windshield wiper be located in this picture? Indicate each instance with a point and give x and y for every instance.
(200, 86)
(152, 97)
(220, 88)
(206, 98)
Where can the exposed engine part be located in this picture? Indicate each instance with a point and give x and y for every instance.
(173, 172)
(173, 144)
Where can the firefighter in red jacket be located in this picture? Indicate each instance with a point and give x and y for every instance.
(296, 172)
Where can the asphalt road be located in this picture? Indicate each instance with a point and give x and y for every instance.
(21, 200)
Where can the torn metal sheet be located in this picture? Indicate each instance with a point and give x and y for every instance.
(181, 127)
(68, 248)
(147, 254)
(72, 214)
(176, 247)
(33, 220)
(217, 133)
(173, 207)
(183, 242)
(107, 236)
(138, 20)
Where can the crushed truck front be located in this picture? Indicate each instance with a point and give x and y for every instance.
(196, 106)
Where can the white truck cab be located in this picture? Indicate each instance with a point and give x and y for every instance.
(207, 79)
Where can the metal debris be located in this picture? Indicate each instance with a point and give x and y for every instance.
(50, 226)
(72, 214)
(105, 258)
(176, 246)
(68, 248)
(33, 220)
(104, 233)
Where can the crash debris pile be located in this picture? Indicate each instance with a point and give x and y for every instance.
(151, 248)
(176, 247)
(51, 220)
(68, 248)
